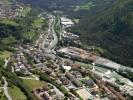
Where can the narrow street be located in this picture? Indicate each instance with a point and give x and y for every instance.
(6, 89)
(6, 62)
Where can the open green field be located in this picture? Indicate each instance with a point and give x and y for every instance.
(76, 20)
(8, 22)
(2, 95)
(32, 35)
(38, 22)
(16, 93)
(1, 83)
(26, 10)
(6, 1)
(86, 6)
(30, 76)
(32, 84)
(8, 41)
(5, 54)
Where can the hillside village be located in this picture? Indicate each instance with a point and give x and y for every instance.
(10, 11)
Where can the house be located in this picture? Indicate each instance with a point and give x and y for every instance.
(46, 96)
(44, 93)
(89, 83)
(75, 65)
(64, 80)
(73, 79)
(66, 68)
(76, 74)
(39, 65)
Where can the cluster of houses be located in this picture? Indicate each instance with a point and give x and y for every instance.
(37, 56)
(70, 75)
(42, 61)
(70, 36)
(76, 82)
(9, 10)
(45, 43)
(82, 83)
(46, 93)
(85, 86)
(74, 79)
(70, 79)
(127, 90)
(20, 63)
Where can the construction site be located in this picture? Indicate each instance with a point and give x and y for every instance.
(79, 53)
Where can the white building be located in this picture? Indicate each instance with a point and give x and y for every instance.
(66, 22)
(66, 68)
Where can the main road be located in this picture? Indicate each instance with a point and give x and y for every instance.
(51, 32)
(55, 40)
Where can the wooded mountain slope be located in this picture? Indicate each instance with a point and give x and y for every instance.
(54, 4)
(111, 29)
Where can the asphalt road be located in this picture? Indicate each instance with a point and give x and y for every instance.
(6, 89)
(55, 41)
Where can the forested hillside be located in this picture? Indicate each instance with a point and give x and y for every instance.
(111, 29)
(54, 4)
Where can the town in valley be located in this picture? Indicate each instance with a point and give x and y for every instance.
(55, 66)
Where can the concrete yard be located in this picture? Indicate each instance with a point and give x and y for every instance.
(84, 94)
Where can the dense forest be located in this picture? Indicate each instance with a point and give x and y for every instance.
(111, 29)
(7, 30)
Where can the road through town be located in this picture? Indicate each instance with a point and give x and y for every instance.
(52, 31)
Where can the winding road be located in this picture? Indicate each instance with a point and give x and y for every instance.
(6, 89)
(55, 41)
(51, 31)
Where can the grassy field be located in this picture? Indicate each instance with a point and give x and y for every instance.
(38, 22)
(1, 84)
(32, 84)
(9, 22)
(6, 1)
(8, 41)
(86, 6)
(2, 95)
(4, 54)
(16, 93)
(25, 11)
(32, 35)
(30, 76)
